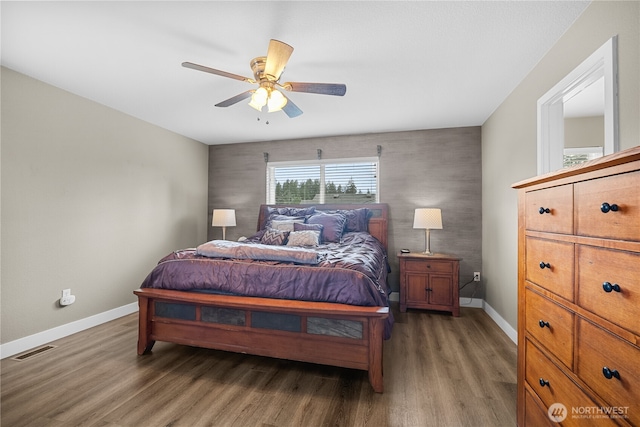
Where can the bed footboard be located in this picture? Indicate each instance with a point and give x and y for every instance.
(324, 333)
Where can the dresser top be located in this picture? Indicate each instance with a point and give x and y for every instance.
(615, 159)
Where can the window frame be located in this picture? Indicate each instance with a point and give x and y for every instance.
(271, 166)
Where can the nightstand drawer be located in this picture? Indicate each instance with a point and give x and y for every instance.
(428, 266)
(550, 209)
(611, 367)
(609, 285)
(594, 219)
(550, 264)
(551, 325)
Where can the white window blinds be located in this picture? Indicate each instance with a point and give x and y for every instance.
(323, 181)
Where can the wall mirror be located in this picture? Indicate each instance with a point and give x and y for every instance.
(578, 117)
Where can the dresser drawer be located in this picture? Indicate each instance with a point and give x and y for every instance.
(428, 266)
(554, 387)
(621, 190)
(535, 415)
(601, 270)
(550, 264)
(550, 209)
(551, 325)
(598, 349)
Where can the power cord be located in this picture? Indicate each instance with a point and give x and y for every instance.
(472, 293)
(470, 281)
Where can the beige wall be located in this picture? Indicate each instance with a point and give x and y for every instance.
(584, 132)
(91, 199)
(423, 168)
(509, 135)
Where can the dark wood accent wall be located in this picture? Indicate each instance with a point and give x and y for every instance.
(422, 168)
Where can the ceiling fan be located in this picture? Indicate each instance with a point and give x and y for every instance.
(267, 71)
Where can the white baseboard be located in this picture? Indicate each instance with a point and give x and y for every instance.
(502, 324)
(471, 302)
(36, 340)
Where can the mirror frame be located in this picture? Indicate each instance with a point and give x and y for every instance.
(602, 63)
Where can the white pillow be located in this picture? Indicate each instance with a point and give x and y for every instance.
(304, 238)
(284, 225)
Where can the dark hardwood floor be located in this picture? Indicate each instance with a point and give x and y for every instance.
(438, 371)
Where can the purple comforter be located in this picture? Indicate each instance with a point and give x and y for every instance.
(351, 272)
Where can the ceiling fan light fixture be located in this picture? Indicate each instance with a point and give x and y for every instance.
(267, 71)
(259, 98)
(276, 101)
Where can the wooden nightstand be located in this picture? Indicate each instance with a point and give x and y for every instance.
(429, 282)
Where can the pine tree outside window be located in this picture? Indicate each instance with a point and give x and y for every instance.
(347, 181)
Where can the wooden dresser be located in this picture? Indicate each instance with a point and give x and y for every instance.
(579, 294)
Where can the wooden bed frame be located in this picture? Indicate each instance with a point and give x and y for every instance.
(325, 333)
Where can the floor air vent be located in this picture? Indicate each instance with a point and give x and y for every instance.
(32, 353)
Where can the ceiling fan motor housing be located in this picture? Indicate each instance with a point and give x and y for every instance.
(257, 66)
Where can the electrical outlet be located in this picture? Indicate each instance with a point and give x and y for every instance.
(476, 276)
(67, 298)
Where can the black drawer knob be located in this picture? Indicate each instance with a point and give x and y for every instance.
(544, 210)
(606, 207)
(542, 324)
(608, 287)
(544, 265)
(610, 373)
(543, 382)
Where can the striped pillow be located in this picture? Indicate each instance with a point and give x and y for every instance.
(274, 237)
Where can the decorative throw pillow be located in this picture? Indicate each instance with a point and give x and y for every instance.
(272, 213)
(285, 225)
(256, 238)
(312, 227)
(303, 238)
(274, 237)
(333, 225)
(357, 219)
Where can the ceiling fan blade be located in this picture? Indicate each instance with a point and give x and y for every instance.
(217, 72)
(291, 109)
(277, 57)
(235, 99)
(336, 89)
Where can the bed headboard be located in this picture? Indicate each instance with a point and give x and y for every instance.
(378, 222)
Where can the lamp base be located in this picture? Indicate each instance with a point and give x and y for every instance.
(427, 241)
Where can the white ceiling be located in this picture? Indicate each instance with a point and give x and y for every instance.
(407, 65)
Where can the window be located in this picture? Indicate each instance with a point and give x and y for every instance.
(575, 156)
(323, 181)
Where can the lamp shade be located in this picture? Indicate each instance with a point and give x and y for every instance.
(259, 98)
(428, 218)
(276, 101)
(224, 218)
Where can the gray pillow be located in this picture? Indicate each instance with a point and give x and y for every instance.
(332, 223)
